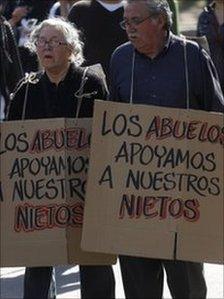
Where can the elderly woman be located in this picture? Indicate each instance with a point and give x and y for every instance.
(57, 91)
(51, 92)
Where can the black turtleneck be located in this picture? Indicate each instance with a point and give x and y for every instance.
(101, 30)
(48, 100)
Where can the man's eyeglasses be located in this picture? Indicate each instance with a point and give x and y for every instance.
(53, 43)
(134, 22)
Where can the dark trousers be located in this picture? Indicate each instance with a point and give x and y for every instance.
(96, 282)
(185, 279)
(143, 278)
(37, 282)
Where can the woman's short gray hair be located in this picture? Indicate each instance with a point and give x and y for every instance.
(70, 33)
(156, 7)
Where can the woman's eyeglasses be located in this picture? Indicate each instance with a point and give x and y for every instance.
(53, 43)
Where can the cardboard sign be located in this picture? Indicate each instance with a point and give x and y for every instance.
(42, 189)
(155, 184)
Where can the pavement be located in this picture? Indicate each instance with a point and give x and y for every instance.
(68, 283)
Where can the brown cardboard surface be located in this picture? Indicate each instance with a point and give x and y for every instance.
(44, 167)
(155, 185)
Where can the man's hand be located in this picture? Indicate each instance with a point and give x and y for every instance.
(18, 13)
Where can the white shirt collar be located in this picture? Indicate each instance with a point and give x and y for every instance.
(111, 6)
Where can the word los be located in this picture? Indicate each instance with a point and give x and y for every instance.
(161, 128)
(43, 140)
(48, 165)
(13, 142)
(161, 181)
(161, 207)
(164, 157)
(31, 218)
(43, 189)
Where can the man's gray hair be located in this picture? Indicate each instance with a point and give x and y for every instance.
(70, 33)
(156, 8)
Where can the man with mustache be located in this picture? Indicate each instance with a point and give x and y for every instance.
(159, 68)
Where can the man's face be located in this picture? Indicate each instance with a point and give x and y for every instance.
(143, 35)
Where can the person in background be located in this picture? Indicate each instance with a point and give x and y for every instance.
(61, 8)
(24, 15)
(14, 13)
(17, 10)
(159, 68)
(211, 25)
(10, 64)
(99, 22)
(53, 93)
(17, 15)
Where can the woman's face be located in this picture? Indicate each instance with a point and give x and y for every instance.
(52, 50)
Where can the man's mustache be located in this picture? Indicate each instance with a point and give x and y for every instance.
(132, 36)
